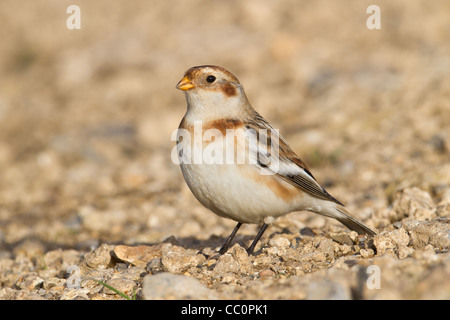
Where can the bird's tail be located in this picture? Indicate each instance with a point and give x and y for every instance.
(344, 217)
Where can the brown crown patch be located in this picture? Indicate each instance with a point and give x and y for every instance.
(199, 70)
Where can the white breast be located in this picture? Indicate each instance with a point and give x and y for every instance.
(230, 189)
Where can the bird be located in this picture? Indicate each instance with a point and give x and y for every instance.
(237, 165)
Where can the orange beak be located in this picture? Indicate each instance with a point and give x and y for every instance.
(185, 84)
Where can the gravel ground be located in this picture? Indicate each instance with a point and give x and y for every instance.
(91, 203)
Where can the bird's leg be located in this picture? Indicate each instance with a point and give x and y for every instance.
(258, 236)
(227, 243)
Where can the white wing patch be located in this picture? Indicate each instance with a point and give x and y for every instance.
(271, 154)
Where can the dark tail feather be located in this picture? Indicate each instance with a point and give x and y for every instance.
(347, 220)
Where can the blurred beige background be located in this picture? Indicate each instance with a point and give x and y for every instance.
(86, 115)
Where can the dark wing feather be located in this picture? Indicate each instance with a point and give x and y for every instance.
(291, 169)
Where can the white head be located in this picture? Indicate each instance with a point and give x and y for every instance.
(213, 93)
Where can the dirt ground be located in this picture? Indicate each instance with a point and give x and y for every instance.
(88, 191)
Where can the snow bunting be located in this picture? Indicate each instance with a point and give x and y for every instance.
(268, 181)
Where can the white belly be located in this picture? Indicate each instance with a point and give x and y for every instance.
(238, 189)
(224, 190)
(235, 189)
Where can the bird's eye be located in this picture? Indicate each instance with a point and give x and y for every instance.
(210, 79)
